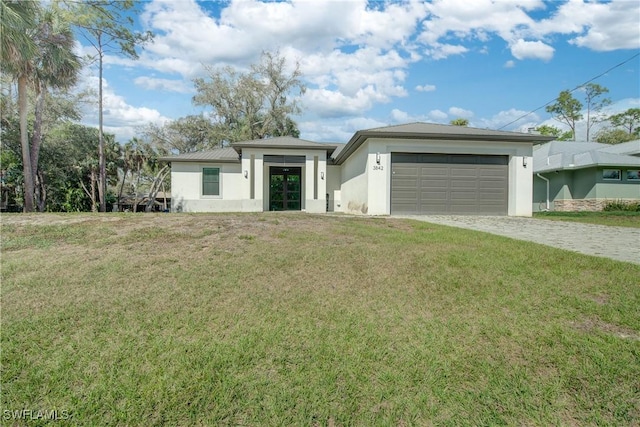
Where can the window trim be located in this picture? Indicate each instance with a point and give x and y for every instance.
(211, 196)
(604, 177)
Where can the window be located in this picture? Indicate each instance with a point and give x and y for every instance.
(611, 174)
(211, 181)
(633, 175)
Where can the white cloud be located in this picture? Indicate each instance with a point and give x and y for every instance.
(395, 23)
(399, 116)
(351, 54)
(349, 84)
(523, 49)
(336, 130)
(475, 20)
(356, 54)
(442, 51)
(613, 27)
(152, 83)
(460, 112)
(437, 115)
(327, 103)
(598, 26)
(513, 120)
(119, 117)
(425, 88)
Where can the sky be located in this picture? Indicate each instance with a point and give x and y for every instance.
(369, 64)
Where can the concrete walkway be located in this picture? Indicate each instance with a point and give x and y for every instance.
(619, 243)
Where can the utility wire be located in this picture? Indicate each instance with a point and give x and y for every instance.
(572, 90)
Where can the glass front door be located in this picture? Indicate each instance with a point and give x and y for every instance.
(285, 188)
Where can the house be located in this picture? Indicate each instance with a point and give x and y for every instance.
(417, 168)
(574, 176)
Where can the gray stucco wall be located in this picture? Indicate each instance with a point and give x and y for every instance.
(559, 188)
(583, 184)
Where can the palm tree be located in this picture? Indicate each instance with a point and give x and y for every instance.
(18, 21)
(57, 67)
(37, 50)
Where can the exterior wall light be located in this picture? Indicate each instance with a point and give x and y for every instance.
(378, 158)
(246, 173)
(524, 161)
(321, 175)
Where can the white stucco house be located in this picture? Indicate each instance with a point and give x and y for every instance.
(417, 168)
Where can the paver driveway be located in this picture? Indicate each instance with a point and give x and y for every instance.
(619, 243)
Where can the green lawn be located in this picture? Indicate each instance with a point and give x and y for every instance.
(619, 219)
(294, 319)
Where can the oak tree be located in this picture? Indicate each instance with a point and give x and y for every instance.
(251, 105)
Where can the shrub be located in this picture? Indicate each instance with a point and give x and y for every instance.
(620, 205)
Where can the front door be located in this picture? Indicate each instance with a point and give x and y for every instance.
(285, 188)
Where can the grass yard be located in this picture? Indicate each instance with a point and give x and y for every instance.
(615, 218)
(295, 319)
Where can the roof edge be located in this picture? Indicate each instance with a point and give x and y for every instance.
(361, 136)
(179, 160)
(325, 147)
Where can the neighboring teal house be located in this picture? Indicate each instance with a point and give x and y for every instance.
(583, 176)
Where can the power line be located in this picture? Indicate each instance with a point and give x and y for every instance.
(572, 90)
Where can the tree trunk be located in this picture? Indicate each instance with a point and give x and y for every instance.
(93, 191)
(91, 194)
(42, 197)
(124, 178)
(155, 187)
(102, 180)
(24, 142)
(164, 199)
(36, 141)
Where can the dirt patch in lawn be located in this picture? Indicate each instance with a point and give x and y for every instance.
(595, 324)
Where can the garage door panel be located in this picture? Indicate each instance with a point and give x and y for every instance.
(449, 184)
(496, 184)
(464, 172)
(490, 197)
(432, 208)
(463, 195)
(462, 183)
(491, 173)
(434, 173)
(427, 196)
(434, 184)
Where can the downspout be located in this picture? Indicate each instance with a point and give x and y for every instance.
(545, 179)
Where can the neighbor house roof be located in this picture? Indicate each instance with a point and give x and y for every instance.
(221, 155)
(437, 132)
(569, 155)
(631, 148)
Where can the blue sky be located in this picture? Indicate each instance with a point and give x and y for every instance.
(369, 64)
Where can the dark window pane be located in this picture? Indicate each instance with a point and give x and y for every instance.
(211, 181)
